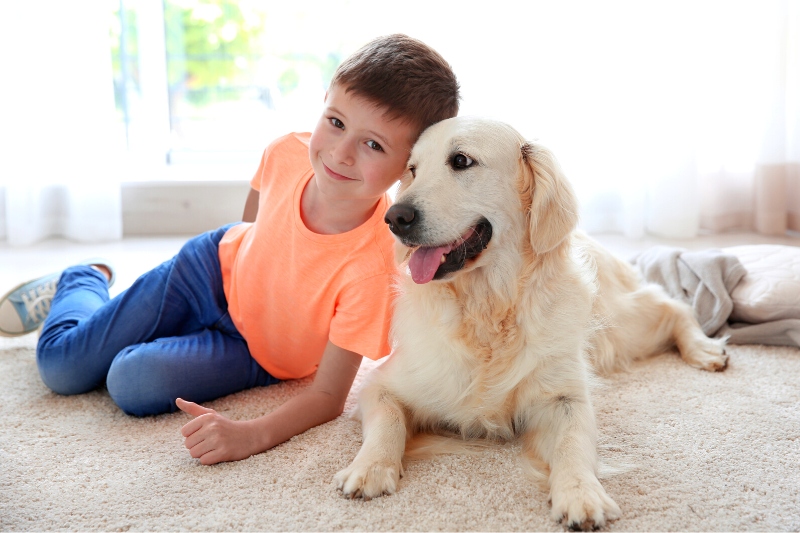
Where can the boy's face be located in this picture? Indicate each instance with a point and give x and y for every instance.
(357, 153)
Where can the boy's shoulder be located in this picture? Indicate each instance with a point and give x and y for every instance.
(285, 153)
(290, 142)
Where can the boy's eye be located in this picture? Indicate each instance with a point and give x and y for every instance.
(375, 146)
(337, 123)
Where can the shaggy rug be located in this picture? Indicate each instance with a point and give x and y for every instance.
(710, 452)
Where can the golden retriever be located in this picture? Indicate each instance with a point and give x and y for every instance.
(503, 315)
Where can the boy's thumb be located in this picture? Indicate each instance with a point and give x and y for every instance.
(191, 407)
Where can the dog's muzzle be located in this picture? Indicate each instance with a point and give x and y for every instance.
(431, 260)
(401, 219)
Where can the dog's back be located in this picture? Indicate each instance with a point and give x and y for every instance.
(636, 320)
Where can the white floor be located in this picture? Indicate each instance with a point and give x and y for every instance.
(626, 248)
(134, 256)
(131, 258)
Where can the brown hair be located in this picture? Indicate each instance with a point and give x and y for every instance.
(403, 75)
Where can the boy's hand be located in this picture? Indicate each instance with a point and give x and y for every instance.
(212, 438)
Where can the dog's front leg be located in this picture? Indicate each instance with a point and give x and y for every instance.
(564, 435)
(377, 468)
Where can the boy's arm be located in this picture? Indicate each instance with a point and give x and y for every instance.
(250, 206)
(213, 438)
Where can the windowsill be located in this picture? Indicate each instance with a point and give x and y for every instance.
(190, 172)
(184, 201)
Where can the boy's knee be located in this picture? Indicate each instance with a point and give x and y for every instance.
(66, 381)
(61, 374)
(136, 386)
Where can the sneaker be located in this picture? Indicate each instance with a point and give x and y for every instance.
(24, 308)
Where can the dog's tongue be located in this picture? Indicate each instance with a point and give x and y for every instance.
(425, 261)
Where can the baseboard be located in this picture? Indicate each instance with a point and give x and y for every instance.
(180, 208)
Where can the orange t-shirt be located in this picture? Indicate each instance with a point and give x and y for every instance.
(289, 289)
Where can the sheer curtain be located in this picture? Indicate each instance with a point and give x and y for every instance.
(670, 118)
(59, 170)
(749, 171)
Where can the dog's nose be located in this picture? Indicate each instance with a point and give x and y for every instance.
(401, 219)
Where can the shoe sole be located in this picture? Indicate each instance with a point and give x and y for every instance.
(88, 262)
(9, 334)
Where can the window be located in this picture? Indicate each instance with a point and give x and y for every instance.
(212, 82)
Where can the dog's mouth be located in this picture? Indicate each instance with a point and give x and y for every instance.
(434, 262)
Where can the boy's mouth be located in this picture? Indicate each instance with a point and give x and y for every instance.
(336, 175)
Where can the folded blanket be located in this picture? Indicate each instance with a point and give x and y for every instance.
(784, 332)
(705, 280)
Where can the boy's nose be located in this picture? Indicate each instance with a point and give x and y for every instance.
(343, 153)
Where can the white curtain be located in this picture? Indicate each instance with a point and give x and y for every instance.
(59, 169)
(670, 117)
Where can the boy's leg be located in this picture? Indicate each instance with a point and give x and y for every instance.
(81, 291)
(24, 308)
(85, 330)
(147, 378)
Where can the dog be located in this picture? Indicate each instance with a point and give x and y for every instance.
(504, 314)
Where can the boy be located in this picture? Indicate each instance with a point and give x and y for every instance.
(302, 286)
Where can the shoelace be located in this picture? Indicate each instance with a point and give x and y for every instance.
(37, 301)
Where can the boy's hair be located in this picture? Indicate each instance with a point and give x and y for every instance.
(404, 76)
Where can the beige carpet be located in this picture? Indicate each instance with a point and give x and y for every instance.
(714, 452)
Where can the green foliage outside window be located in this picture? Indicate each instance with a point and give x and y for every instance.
(123, 37)
(210, 44)
(217, 51)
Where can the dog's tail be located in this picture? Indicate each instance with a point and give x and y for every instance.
(426, 445)
(539, 471)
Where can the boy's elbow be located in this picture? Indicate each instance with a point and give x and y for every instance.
(334, 407)
(337, 410)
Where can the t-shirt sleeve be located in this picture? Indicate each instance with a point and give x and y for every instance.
(281, 151)
(362, 317)
(256, 181)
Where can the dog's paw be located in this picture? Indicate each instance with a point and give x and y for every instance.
(708, 354)
(368, 480)
(583, 505)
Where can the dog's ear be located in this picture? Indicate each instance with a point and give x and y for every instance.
(551, 205)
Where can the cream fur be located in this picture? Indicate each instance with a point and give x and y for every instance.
(506, 347)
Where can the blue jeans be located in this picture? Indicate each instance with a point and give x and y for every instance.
(167, 336)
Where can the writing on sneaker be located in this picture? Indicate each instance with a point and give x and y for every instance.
(24, 308)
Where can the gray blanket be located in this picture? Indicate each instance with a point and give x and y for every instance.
(704, 280)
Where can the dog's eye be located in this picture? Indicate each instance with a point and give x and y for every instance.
(413, 171)
(461, 161)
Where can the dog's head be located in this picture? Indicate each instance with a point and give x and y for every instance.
(474, 188)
